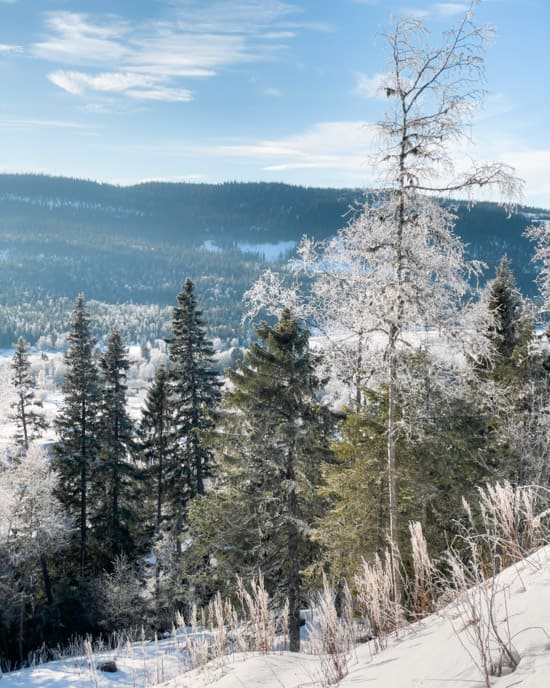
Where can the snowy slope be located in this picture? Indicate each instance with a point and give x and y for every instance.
(434, 653)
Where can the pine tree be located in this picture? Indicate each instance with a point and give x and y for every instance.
(78, 425)
(115, 474)
(194, 395)
(30, 421)
(273, 437)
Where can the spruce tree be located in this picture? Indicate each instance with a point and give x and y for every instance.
(273, 437)
(509, 327)
(115, 473)
(29, 420)
(154, 434)
(78, 425)
(194, 395)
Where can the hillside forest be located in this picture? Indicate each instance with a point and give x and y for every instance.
(378, 391)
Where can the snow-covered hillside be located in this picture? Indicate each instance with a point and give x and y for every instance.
(436, 652)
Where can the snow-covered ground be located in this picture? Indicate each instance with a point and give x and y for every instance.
(48, 370)
(434, 653)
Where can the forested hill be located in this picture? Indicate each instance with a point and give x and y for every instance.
(231, 211)
(179, 211)
(60, 237)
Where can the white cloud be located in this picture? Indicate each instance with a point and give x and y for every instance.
(272, 92)
(75, 39)
(95, 108)
(370, 86)
(162, 93)
(533, 166)
(415, 13)
(134, 85)
(21, 123)
(5, 48)
(233, 16)
(79, 82)
(450, 9)
(326, 145)
(337, 147)
(197, 41)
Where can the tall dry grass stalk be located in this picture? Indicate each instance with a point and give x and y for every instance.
(261, 620)
(375, 600)
(514, 519)
(423, 589)
(333, 635)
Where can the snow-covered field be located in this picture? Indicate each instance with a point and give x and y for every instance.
(434, 653)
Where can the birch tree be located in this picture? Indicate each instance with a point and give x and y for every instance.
(397, 267)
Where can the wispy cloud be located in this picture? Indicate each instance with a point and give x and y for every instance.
(134, 85)
(337, 146)
(440, 9)
(21, 123)
(5, 49)
(450, 9)
(370, 86)
(532, 166)
(105, 53)
(272, 92)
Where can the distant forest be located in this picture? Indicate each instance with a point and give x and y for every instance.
(135, 245)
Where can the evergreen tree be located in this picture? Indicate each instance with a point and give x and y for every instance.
(115, 474)
(78, 425)
(513, 381)
(30, 421)
(154, 433)
(446, 449)
(398, 266)
(509, 326)
(194, 395)
(505, 303)
(273, 437)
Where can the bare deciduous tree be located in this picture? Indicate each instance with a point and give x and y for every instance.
(397, 267)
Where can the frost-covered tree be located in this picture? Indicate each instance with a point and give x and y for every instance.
(78, 425)
(540, 234)
(509, 325)
(33, 527)
(32, 520)
(272, 439)
(397, 267)
(27, 411)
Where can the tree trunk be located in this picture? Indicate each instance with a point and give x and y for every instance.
(393, 488)
(83, 490)
(46, 577)
(293, 563)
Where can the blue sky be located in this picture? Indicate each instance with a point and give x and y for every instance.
(213, 90)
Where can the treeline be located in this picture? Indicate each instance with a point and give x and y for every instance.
(121, 525)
